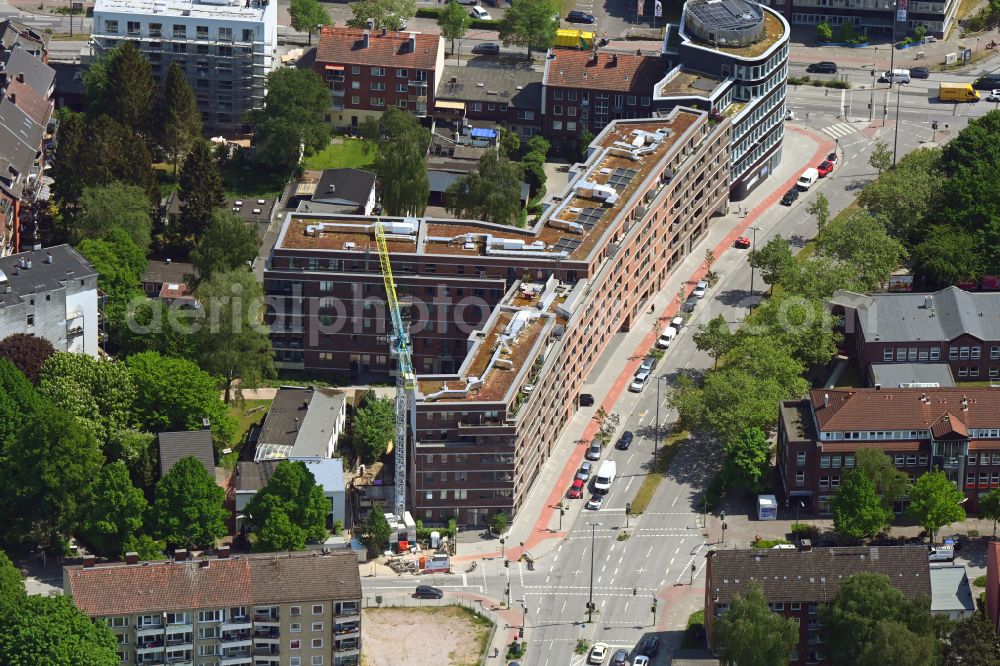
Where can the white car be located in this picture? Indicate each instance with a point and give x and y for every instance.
(789, 114)
(677, 323)
(666, 337)
(638, 382)
(480, 13)
(598, 653)
(700, 289)
(594, 504)
(641, 661)
(994, 96)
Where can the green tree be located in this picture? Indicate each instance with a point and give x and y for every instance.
(116, 206)
(179, 123)
(115, 513)
(454, 22)
(734, 398)
(714, 338)
(866, 605)
(818, 277)
(948, 255)
(533, 164)
(137, 450)
(146, 547)
(375, 531)
(45, 478)
(12, 592)
(890, 483)
(373, 428)
(401, 146)
(279, 145)
(130, 91)
(774, 260)
(972, 641)
(863, 243)
(69, 177)
(858, 512)
(880, 157)
(200, 189)
(308, 16)
(824, 33)
(749, 634)
(27, 352)
(155, 325)
(688, 400)
(531, 24)
(768, 358)
(989, 507)
(820, 209)
(296, 105)
(18, 401)
(175, 394)
(803, 325)
(233, 344)
(115, 152)
(228, 243)
(52, 631)
(499, 523)
(98, 392)
(188, 510)
(906, 196)
(119, 264)
(492, 192)
(384, 14)
(935, 501)
(748, 459)
(289, 511)
(509, 142)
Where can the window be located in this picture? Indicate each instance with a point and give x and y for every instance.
(225, 35)
(899, 459)
(247, 35)
(994, 353)
(970, 479)
(824, 462)
(571, 111)
(953, 353)
(963, 371)
(120, 621)
(378, 101)
(210, 616)
(849, 461)
(963, 353)
(975, 351)
(177, 618)
(355, 85)
(835, 481)
(295, 611)
(800, 478)
(318, 609)
(974, 371)
(378, 86)
(836, 462)
(887, 354)
(556, 125)
(201, 31)
(995, 459)
(935, 353)
(570, 126)
(180, 31)
(911, 461)
(984, 459)
(111, 27)
(402, 74)
(994, 371)
(156, 30)
(295, 661)
(800, 458)
(317, 642)
(557, 110)
(796, 605)
(355, 100)
(294, 644)
(477, 106)
(401, 103)
(133, 27)
(911, 354)
(378, 71)
(557, 94)
(401, 87)
(631, 100)
(295, 627)
(824, 482)
(317, 660)
(317, 626)
(209, 632)
(901, 354)
(923, 460)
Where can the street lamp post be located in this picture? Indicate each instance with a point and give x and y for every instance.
(503, 547)
(628, 510)
(593, 544)
(753, 244)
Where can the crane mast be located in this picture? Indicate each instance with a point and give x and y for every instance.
(399, 347)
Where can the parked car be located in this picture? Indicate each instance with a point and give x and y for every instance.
(576, 490)
(789, 114)
(824, 67)
(689, 304)
(624, 441)
(993, 96)
(428, 592)
(700, 289)
(987, 81)
(825, 168)
(594, 503)
(586, 400)
(576, 16)
(649, 647)
(677, 323)
(743, 242)
(791, 196)
(620, 658)
(594, 450)
(598, 653)
(940, 553)
(920, 73)
(647, 364)
(639, 661)
(486, 48)
(666, 337)
(832, 157)
(638, 382)
(465, 2)
(584, 472)
(480, 13)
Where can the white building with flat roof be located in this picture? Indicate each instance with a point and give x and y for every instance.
(225, 47)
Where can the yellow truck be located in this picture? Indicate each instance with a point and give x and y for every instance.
(574, 39)
(957, 92)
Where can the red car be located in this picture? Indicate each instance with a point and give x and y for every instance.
(742, 242)
(825, 168)
(576, 490)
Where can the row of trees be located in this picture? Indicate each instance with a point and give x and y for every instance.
(868, 622)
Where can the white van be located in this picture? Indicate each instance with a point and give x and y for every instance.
(605, 476)
(666, 337)
(808, 177)
(896, 76)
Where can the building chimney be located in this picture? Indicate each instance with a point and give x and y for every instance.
(826, 399)
(48, 257)
(296, 424)
(413, 42)
(89, 561)
(365, 39)
(131, 557)
(167, 261)
(305, 405)
(13, 98)
(593, 57)
(614, 59)
(204, 564)
(965, 404)
(20, 77)
(206, 424)
(805, 546)
(928, 302)
(222, 552)
(180, 554)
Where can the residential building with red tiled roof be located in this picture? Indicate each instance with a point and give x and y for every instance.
(257, 609)
(369, 71)
(585, 90)
(953, 429)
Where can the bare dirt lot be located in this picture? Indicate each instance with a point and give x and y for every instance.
(442, 635)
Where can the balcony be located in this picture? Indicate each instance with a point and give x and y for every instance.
(347, 645)
(149, 646)
(234, 658)
(182, 641)
(266, 651)
(487, 427)
(147, 629)
(266, 618)
(347, 612)
(243, 639)
(237, 624)
(346, 630)
(179, 661)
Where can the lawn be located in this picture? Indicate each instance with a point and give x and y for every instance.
(246, 415)
(346, 155)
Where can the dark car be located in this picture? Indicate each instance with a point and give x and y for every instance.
(576, 16)
(987, 82)
(620, 658)
(689, 304)
(650, 646)
(624, 441)
(825, 67)
(586, 400)
(428, 592)
(919, 73)
(742, 243)
(487, 48)
(790, 197)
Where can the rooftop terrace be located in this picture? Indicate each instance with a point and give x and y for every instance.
(774, 29)
(217, 9)
(684, 82)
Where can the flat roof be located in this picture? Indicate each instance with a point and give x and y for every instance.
(950, 590)
(774, 29)
(225, 9)
(687, 82)
(906, 375)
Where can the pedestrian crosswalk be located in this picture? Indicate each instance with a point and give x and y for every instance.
(840, 130)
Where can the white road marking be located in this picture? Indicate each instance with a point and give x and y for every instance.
(674, 503)
(650, 552)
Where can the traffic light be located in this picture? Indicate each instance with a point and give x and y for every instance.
(635, 591)
(506, 564)
(520, 632)
(628, 508)
(934, 125)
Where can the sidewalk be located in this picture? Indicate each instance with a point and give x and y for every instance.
(536, 528)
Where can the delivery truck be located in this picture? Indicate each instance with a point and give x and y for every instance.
(605, 476)
(957, 92)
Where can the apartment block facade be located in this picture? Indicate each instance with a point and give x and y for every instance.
(799, 583)
(225, 47)
(507, 96)
(369, 71)
(951, 326)
(506, 322)
(872, 17)
(281, 609)
(952, 429)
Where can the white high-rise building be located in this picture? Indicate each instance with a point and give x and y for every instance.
(226, 48)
